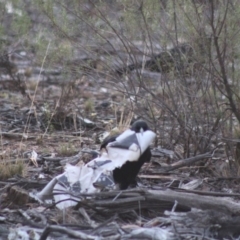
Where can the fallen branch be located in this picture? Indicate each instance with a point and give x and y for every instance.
(187, 162)
(159, 200)
(59, 229)
(195, 201)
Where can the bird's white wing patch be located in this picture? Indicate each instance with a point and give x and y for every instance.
(145, 139)
(124, 135)
(130, 147)
(120, 156)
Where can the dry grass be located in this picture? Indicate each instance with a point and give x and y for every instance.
(89, 105)
(9, 169)
(125, 118)
(66, 149)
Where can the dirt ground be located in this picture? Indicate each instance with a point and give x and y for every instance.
(53, 109)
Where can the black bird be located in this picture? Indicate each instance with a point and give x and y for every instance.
(127, 173)
(120, 166)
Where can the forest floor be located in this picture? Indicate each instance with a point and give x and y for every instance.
(50, 117)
